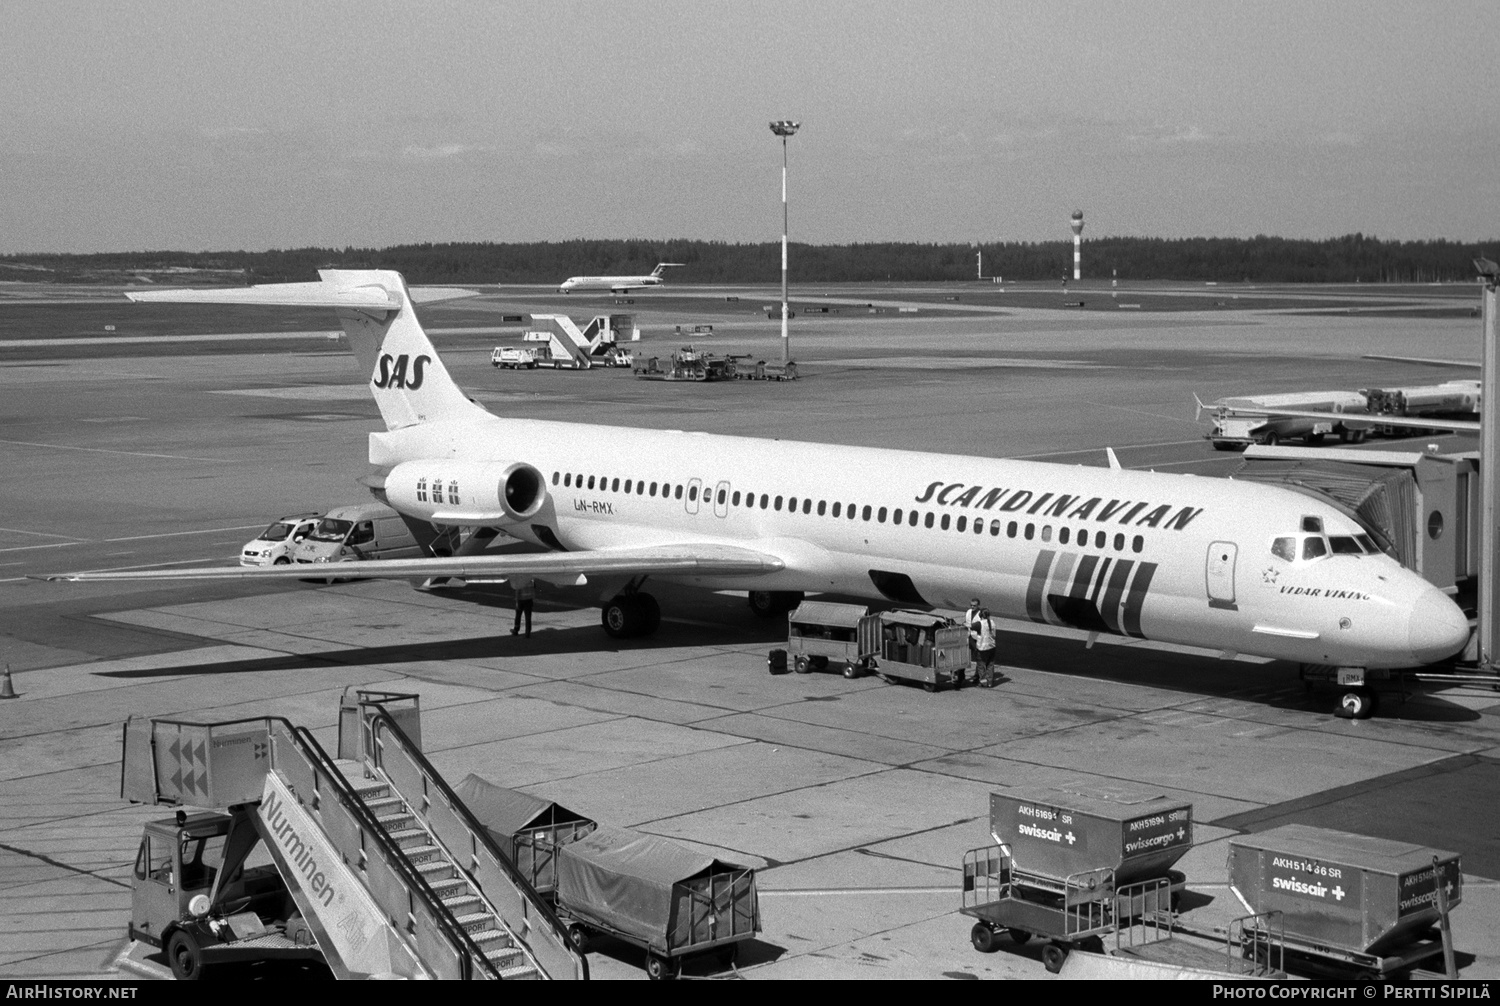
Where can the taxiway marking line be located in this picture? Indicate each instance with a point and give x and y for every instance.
(54, 544)
(177, 534)
(103, 450)
(42, 534)
(138, 537)
(1100, 450)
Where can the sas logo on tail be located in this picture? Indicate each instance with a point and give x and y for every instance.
(392, 371)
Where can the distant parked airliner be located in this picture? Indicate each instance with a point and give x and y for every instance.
(617, 284)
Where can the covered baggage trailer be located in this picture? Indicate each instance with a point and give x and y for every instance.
(1055, 833)
(1350, 903)
(671, 901)
(528, 829)
(916, 646)
(820, 633)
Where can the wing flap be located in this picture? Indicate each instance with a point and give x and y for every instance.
(685, 559)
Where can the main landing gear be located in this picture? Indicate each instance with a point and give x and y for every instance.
(769, 603)
(626, 616)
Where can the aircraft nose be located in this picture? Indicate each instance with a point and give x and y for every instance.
(1436, 627)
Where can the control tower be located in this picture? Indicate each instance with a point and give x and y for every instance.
(1076, 222)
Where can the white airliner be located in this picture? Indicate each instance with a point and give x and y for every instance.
(617, 284)
(1237, 567)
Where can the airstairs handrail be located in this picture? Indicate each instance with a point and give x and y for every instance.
(558, 949)
(458, 938)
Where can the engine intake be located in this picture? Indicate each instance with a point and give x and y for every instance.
(487, 493)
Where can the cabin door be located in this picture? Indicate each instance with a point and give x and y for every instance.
(1220, 575)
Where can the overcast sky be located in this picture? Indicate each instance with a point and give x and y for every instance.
(164, 125)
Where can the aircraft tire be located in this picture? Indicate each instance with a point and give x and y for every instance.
(1272, 439)
(769, 603)
(1357, 704)
(650, 614)
(620, 617)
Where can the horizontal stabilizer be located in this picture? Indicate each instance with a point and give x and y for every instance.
(691, 559)
(337, 288)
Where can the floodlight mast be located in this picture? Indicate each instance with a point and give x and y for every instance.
(784, 128)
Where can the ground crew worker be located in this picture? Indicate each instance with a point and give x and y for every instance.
(984, 644)
(525, 588)
(969, 617)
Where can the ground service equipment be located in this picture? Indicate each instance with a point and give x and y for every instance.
(1074, 913)
(1054, 833)
(930, 650)
(670, 901)
(528, 829)
(1353, 905)
(370, 859)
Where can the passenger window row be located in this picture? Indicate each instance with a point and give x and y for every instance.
(853, 511)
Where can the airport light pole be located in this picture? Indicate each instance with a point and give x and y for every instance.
(784, 128)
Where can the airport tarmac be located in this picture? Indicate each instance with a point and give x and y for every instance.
(857, 799)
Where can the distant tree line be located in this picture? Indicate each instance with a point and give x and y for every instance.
(1261, 259)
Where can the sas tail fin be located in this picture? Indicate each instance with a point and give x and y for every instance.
(406, 376)
(664, 265)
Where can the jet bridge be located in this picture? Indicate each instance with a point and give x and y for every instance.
(390, 870)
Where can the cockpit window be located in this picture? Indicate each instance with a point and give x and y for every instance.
(1313, 524)
(1368, 543)
(1313, 547)
(1343, 544)
(1285, 548)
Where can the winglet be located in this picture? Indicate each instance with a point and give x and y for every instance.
(1114, 462)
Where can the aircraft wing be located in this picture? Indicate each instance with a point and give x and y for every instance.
(1466, 364)
(690, 559)
(1362, 420)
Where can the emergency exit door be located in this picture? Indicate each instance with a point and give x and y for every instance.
(1220, 576)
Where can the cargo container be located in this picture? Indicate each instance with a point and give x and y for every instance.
(1059, 832)
(1348, 901)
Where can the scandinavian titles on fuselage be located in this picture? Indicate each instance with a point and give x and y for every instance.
(1062, 505)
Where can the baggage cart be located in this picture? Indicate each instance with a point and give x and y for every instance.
(1353, 905)
(915, 646)
(823, 633)
(1076, 912)
(670, 901)
(1056, 832)
(528, 829)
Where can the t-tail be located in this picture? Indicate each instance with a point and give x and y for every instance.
(664, 265)
(375, 307)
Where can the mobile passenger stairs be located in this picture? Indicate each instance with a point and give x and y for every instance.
(386, 872)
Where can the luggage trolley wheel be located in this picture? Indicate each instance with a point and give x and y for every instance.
(660, 969)
(854, 669)
(1053, 955)
(984, 938)
(801, 664)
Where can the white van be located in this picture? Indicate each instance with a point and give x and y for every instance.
(352, 533)
(275, 544)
